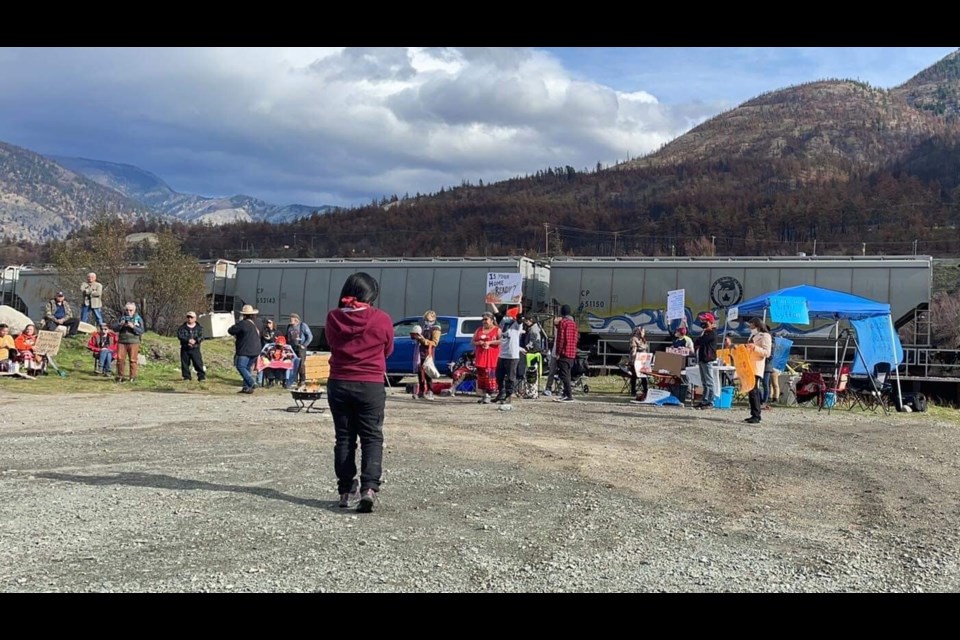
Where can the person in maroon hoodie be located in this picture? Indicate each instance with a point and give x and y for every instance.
(360, 339)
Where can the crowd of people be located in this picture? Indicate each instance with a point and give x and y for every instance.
(263, 356)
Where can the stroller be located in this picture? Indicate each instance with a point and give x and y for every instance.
(529, 386)
(580, 371)
(464, 374)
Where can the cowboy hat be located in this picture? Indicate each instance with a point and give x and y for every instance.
(248, 310)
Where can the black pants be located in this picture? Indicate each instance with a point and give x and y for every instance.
(188, 356)
(634, 378)
(357, 409)
(71, 325)
(506, 377)
(564, 367)
(301, 352)
(755, 397)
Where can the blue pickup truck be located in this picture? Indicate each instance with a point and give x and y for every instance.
(456, 338)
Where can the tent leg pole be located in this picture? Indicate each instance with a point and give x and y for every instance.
(896, 366)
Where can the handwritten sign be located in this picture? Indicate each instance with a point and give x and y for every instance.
(792, 309)
(733, 313)
(504, 288)
(643, 363)
(781, 353)
(743, 361)
(878, 343)
(48, 343)
(675, 304)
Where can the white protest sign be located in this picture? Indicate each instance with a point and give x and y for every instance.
(48, 343)
(675, 304)
(504, 288)
(733, 313)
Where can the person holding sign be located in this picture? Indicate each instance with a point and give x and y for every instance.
(760, 347)
(510, 330)
(706, 344)
(638, 345)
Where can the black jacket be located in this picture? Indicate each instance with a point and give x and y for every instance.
(248, 338)
(186, 333)
(706, 344)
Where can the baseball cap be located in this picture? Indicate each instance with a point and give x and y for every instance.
(191, 314)
(59, 294)
(706, 316)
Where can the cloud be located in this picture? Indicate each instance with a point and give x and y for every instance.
(337, 126)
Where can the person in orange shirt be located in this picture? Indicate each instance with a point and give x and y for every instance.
(32, 362)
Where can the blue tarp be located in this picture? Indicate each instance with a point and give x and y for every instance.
(821, 303)
(873, 336)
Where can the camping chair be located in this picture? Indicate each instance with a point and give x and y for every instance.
(811, 386)
(623, 372)
(872, 391)
(839, 389)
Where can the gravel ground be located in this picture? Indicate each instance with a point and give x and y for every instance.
(167, 492)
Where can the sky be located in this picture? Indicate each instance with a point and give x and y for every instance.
(346, 126)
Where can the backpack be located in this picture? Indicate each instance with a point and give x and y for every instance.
(915, 400)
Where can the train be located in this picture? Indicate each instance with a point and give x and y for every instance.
(609, 296)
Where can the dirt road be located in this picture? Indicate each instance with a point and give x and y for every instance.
(177, 492)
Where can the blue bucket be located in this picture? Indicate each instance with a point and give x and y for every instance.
(829, 400)
(725, 399)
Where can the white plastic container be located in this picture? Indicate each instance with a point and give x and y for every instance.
(215, 325)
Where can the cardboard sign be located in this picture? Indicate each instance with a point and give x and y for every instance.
(504, 288)
(743, 361)
(654, 396)
(790, 309)
(643, 363)
(675, 304)
(48, 343)
(672, 363)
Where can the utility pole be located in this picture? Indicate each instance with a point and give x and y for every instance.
(546, 239)
(713, 243)
(615, 243)
(914, 247)
(863, 249)
(814, 246)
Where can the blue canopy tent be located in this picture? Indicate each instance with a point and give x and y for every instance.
(837, 305)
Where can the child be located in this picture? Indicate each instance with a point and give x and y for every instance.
(416, 332)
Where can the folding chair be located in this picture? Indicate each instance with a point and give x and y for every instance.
(872, 391)
(838, 389)
(623, 372)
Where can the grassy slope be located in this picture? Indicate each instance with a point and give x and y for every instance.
(161, 373)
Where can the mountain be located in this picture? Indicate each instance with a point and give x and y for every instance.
(41, 200)
(831, 166)
(935, 89)
(828, 126)
(153, 192)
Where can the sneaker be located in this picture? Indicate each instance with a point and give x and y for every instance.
(367, 499)
(248, 391)
(429, 396)
(347, 498)
(547, 392)
(500, 399)
(752, 420)
(565, 399)
(132, 380)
